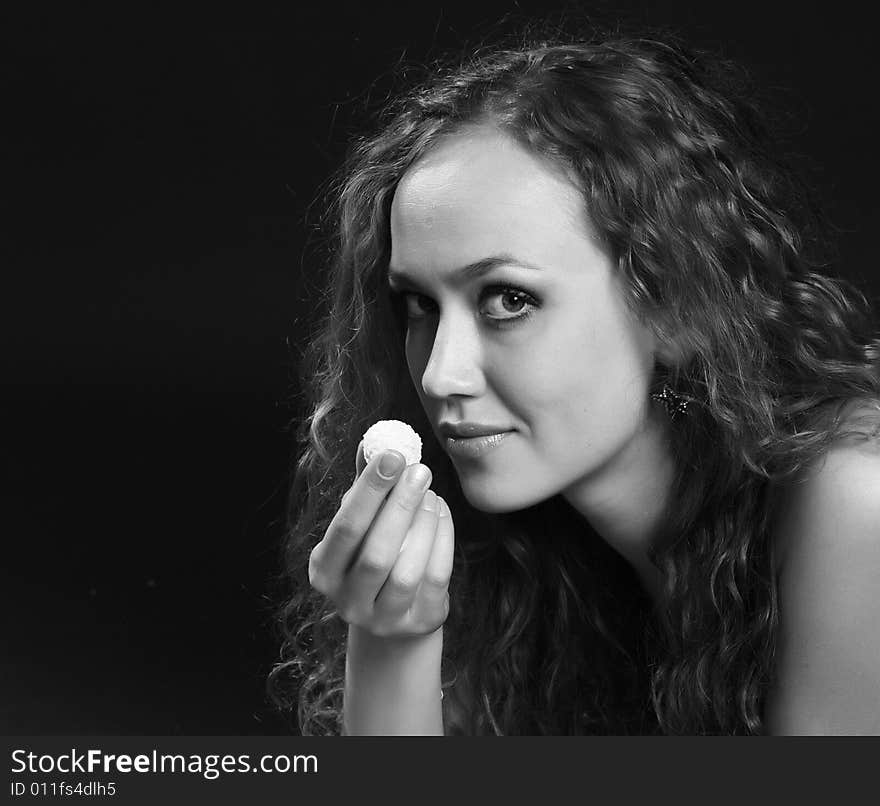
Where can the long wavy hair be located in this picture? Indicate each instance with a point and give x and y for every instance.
(720, 247)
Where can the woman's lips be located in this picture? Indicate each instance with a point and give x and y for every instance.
(472, 447)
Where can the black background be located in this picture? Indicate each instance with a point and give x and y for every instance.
(157, 176)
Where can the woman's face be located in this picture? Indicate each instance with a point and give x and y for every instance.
(536, 339)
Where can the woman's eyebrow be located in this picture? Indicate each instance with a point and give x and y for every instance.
(470, 271)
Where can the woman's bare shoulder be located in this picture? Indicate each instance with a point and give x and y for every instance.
(842, 482)
(828, 532)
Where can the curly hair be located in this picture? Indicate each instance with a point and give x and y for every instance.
(721, 246)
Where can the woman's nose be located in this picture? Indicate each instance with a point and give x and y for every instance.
(453, 366)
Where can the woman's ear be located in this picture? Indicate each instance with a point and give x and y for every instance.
(675, 354)
(674, 346)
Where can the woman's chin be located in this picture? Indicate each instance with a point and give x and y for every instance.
(492, 500)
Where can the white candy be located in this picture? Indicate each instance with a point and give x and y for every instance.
(392, 435)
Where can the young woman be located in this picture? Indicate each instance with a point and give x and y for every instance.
(649, 500)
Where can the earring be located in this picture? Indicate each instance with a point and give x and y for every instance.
(674, 402)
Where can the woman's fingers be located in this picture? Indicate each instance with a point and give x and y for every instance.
(378, 553)
(331, 558)
(432, 600)
(386, 557)
(398, 592)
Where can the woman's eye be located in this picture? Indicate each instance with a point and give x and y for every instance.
(510, 303)
(500, 304)
(414, 303)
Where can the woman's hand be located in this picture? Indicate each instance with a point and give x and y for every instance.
(386, 557)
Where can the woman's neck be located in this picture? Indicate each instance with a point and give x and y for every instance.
(625, 501)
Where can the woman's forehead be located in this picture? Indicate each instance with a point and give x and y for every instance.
(481, 183)
(471, 202)
(483, 162)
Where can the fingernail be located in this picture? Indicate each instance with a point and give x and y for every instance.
(420, 477)
(442, 507)
(390, 464)
(429, 502)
